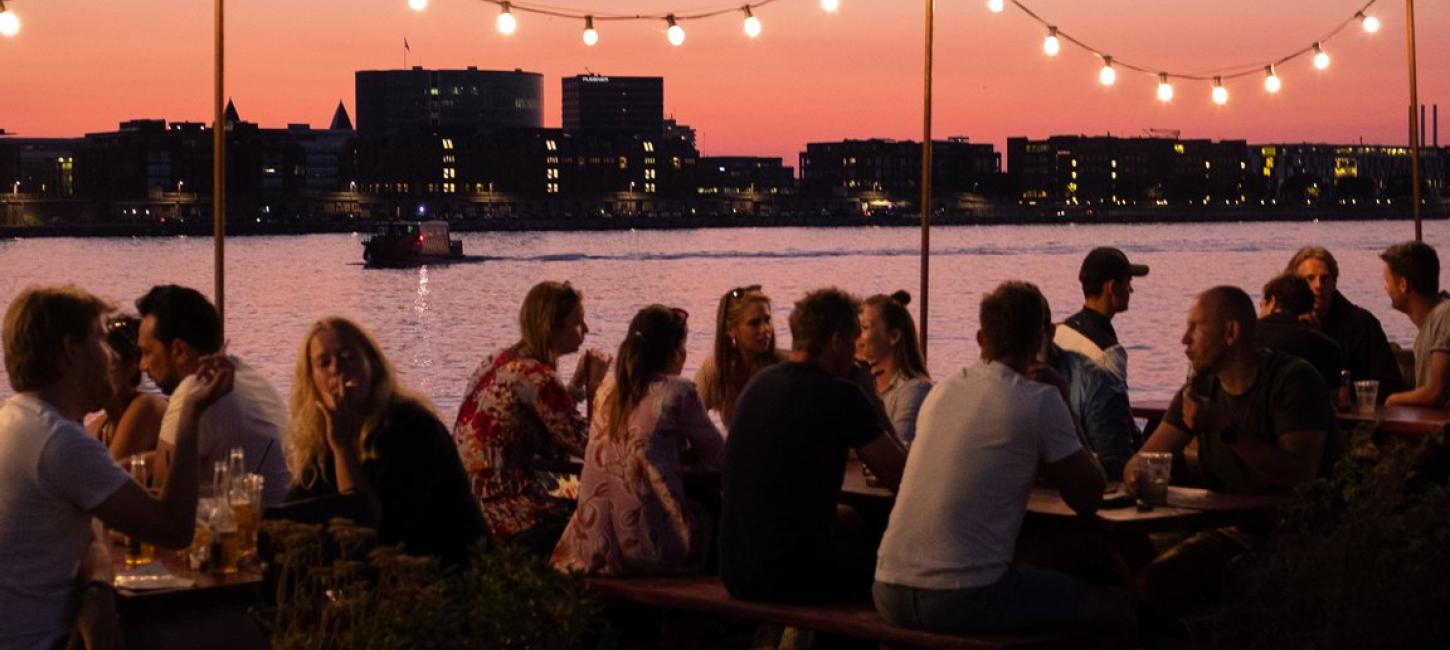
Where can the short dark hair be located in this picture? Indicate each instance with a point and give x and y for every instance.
(1011, 319)
(821, 314)
(1291, 294)
(1233, 305)
(38, 324)
(182, 313)
(1417, 263)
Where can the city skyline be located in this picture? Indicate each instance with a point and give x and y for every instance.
(811, 76)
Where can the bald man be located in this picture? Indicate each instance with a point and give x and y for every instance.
(1264, 425)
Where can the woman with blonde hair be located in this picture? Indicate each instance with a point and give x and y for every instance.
(744, 345)
(516, 410)
(364, 447)
(888, 343)
(633, 517)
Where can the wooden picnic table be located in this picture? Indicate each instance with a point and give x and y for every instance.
(1391, 420)
(208, 592)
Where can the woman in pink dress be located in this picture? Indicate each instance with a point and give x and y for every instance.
(633, 517)
(517, 411)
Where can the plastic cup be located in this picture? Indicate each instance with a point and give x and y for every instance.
(1153, 473)
(1366, 391)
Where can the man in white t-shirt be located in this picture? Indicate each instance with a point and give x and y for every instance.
(55, 567)
(179, 327)
(945, 564)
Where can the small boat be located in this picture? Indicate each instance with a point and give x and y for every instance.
(410, 243)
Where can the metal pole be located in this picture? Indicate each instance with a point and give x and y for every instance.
(219, 171)
(1414, 117)
(926, 178)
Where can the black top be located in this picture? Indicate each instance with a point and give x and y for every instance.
(418, 478)
(1287, 396)
(1366, 351)
(784, 462)
(1096, 327)
(1286, 334)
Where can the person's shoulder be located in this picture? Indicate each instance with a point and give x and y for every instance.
(1290, 371)
(918, 384)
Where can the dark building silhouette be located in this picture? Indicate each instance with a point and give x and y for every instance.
(1343, 173)
(635, 104)
(743, 176)
(389, 101)
(1107, 170)
(891, 169)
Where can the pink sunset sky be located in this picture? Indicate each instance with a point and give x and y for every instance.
(82, 65)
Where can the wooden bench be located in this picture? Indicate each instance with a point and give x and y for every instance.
(707, 595)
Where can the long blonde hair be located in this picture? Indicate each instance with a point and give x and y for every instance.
(547, 305)
(732, 367)
(307, 449)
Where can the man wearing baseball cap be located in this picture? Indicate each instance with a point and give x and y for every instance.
(1107, 282)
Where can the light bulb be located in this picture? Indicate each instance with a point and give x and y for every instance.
(417, 5)
(506, 22)
(675, 33)
(9, 23)
(1321, 58)
(752, 24)
(1271, 80)
(1107, 75)
(1165, 89)
(1220, 94)
(996, 6)
(591, 37)
(1369, 23)
(1051, 45)
(830, 5)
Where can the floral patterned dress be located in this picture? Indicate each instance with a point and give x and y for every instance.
(516, 410)
(633, 517)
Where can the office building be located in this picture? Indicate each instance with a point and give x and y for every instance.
(390, 101)
(634, 104)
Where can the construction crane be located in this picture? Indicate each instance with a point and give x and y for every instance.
(1163, 133)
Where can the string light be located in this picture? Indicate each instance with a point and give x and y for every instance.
(1220, 94)
(591, 37)
(417, 5)
(996, 5)
(507, 25)
(1107, 75)
(1271, 80)
(1321, 58)
(830, 5)
(9, 22)
(675, 33)
(752, 24)
(1165, 89)
(1369, 23)
(1051, 45)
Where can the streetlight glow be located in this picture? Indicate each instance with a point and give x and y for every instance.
(675, 33)
(752, 24)
(507, 25)
(1051, 45)
(1107, 75)
(591, 37)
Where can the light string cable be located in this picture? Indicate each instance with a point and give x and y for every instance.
(675, 33)
(1269, 68)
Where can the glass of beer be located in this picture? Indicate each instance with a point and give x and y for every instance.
(226, 537)
(246, 502)
(139, 553)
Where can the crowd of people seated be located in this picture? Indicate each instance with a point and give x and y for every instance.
(662, 488)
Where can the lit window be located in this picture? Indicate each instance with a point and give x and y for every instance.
(649, 187)
(552, 188)
(649, 174)
(551, 173)
(449, 172)
(449, 159)
(649, 147)
(448, 144)
(448, 188)
(623, 162)
(551, 145)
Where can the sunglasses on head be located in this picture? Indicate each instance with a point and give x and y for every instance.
(680, 313)
(739, 292)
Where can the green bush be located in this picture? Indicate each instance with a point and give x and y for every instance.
(335, 589)
(1360, 560)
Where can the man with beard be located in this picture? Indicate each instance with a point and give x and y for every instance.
(55, 566)
(179, 327)
(1361, 339)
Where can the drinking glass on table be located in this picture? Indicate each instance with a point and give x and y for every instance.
(1153, 473)
(1366, 391)
(139, 553)
(246, 502)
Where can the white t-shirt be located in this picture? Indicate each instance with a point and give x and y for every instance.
(51, 475)
(251, 417)
(979, 439)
